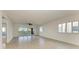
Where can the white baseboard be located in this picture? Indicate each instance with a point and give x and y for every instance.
(61, 41)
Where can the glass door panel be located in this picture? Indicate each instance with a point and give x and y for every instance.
(24, 31)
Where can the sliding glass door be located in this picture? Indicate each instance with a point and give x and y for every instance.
(24, 30)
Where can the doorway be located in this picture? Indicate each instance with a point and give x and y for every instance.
(32, 32)
(4, 33)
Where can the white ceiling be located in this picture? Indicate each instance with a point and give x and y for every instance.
(36, 16)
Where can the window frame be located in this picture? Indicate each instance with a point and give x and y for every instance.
(75, 26)
(67, 28)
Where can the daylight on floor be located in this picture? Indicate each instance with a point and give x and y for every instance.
(39, 29)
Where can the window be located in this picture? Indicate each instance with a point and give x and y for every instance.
(69, 27)
(4, 33)
(41, 29)
(63, 27)
(3, 29)
(20, 29)
(24, 31)
(75, 27)
(60, 28)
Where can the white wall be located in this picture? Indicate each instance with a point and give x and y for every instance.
(51, 31)
(9, 31)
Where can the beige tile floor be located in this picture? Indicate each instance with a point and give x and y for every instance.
(36, 42)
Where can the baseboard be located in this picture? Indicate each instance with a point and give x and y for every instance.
(8, 41)
(60, 41)
(36, 35)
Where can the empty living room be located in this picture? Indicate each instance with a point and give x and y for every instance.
(39, 29)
